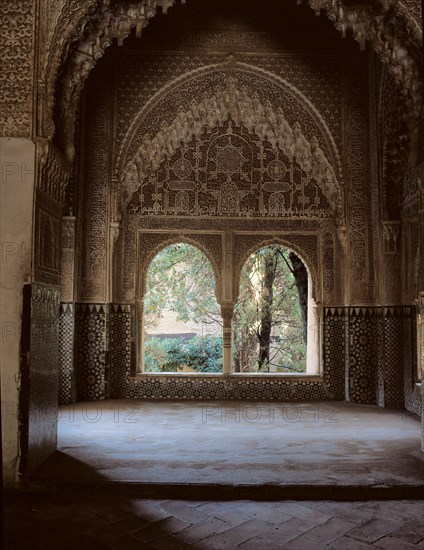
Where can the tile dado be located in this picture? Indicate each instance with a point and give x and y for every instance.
(91, 352)
(223, 387)
(376, 346)
(66, 354)
(39, 374)
(122, 350)
(365, 351)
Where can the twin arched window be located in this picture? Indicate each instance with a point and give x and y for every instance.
(271, 327)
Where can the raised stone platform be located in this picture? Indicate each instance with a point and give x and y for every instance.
(237, 449)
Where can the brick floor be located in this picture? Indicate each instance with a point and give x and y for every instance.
(62, 522)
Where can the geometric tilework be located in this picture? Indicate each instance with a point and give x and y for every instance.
(394, 357)
(90, 351)
(335, 349)
(379, 353)
(220, 387)
(364, 352)
(413, 402)
(66, 354)
(120, 349)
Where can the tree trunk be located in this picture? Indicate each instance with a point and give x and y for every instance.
(301, 280)
(264, 334)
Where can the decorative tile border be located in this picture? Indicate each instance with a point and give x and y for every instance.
(90, 351)
(365, 351)
(66, 354)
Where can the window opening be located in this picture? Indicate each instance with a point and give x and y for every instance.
(182, 321)
(274, 318)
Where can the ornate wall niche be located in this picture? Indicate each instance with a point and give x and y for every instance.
(162, 95)
(230, 154)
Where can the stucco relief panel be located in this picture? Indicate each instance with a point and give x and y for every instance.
(16, 76)
(356, 166)
(138, 75)
(96, 188)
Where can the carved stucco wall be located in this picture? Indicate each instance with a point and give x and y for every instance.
(401, 244)
(60, 23)
(166, 187)
(85, 29)
(132, 93)
(16, 76)
(95, 191)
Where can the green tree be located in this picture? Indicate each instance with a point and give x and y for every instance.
(270, 317)
(181, 279)
(271, 314)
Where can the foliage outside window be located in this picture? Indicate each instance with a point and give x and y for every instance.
(180, 279)
(270, 317)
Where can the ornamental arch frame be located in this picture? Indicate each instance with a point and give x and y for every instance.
(84, 30)
(319, 136)
(170, 238)
(284, 240)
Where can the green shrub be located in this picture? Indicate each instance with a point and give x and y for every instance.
(172, 354)
(204, 354)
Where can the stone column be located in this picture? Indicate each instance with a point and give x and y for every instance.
(227, 317)
(140, 324)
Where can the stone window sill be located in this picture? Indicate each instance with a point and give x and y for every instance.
(238, 375)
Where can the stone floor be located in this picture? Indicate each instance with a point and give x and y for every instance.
(302, 445)
(92, 494)
(73, 521)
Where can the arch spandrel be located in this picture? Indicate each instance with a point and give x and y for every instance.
(85, 28)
